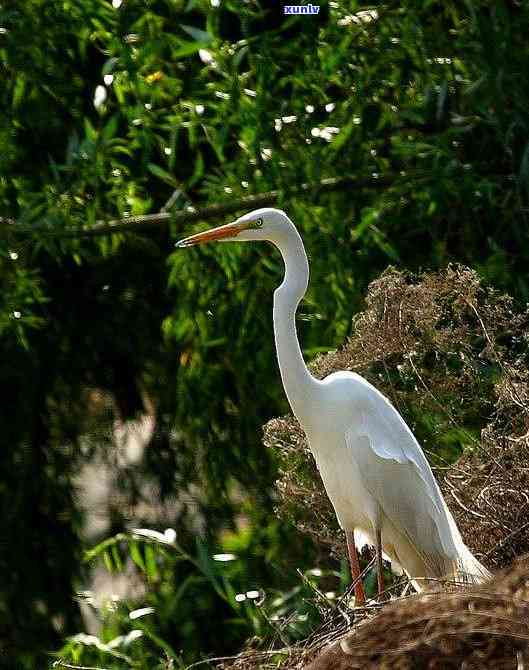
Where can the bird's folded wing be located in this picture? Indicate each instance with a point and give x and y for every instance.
(397, 474)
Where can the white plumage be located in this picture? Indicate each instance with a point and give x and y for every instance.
(372, 467)
(376, 475)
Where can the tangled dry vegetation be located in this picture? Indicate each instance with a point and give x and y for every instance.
(472, 628)
(476, 628)
(452, 355)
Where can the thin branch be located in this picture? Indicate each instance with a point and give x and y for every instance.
(61, 664)
(503, 542)
(148, 222)
(216, 659)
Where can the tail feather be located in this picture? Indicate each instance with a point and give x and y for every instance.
(466, 568)
(469, 570)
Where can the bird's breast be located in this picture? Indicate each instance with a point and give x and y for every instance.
(343, 482)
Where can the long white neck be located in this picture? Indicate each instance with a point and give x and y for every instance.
(300, 386)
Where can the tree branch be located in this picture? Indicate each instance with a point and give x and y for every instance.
(190, 215)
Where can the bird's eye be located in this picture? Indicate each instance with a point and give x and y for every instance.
(259, 222)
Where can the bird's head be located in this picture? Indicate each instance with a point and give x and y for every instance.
(261, 224)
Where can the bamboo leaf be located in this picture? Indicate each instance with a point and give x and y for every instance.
(197, 34)
(162, 174)
(136, 555)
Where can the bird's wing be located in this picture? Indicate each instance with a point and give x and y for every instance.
(395, 471)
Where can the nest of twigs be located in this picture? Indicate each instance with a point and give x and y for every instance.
(452, 355)
(471, 628)
(475, 628)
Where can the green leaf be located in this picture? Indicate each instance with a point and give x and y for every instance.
(188, 49)
(18, 91)
(150, 562)
(110, 128)
(108, 561)
(158, 641)
(109, 65)
(198, 172)
(342, 137)
(207, 567)
(90, 131)
(162, 174)
(196, 33)
(116, 557)
(135, 554)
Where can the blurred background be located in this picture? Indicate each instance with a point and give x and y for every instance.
(136, 378)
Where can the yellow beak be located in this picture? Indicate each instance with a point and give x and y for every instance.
(212, 235)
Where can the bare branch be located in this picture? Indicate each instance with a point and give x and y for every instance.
(148, 222)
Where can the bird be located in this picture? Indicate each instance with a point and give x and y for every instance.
(373, 469)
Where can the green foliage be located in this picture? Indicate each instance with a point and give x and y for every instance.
(110, 112)
(138, 636)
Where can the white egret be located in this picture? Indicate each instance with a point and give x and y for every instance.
(374, 471)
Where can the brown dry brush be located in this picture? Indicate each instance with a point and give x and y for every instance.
(471, 628)
(452, 355)
(464, 627)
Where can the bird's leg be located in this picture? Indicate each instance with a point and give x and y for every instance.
(380, 568)
(360, 596)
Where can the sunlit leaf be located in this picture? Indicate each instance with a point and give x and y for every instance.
(196, 33)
